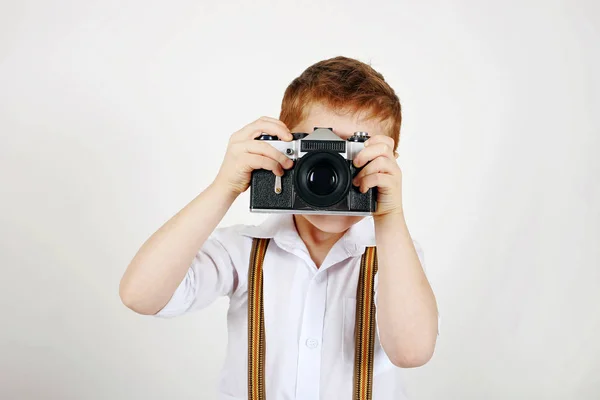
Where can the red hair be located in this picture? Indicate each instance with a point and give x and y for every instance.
(343, 84)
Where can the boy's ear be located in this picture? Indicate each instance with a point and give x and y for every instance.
(396, 154)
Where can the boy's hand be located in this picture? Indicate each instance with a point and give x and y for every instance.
(244, 154)
(382, 171)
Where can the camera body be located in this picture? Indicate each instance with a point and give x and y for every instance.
(320, 182)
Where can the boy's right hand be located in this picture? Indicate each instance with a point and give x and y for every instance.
(244, 154)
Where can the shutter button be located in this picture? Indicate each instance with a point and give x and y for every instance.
(312, 343)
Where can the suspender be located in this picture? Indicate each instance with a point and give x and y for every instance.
(364, 328)
(256, 322)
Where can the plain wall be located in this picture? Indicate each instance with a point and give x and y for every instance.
(115, 114)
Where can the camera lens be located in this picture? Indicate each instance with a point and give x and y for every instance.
(322, 180)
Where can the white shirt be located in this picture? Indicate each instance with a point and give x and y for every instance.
(309, 311)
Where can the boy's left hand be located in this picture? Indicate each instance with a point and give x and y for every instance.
(381, 171)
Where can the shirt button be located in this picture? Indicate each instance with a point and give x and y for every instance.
(312, 343)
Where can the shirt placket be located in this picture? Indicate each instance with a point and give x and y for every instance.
(311, 338)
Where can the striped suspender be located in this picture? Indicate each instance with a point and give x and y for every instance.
(364, 328)
(256, 322)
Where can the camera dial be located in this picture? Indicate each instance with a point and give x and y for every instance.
(359, 137)
(265, 136)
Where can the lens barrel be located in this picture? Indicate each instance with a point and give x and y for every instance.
(322, 178)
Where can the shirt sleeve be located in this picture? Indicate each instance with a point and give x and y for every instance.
(421, 256)
(212, 274)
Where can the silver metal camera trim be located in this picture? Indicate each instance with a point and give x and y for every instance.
(292, 148)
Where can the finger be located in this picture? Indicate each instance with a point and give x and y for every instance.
(256, 128)
(369, 153)
(378, 165)
(376, 180)
(383, 139)
(380, 139)
(275, 120)
(265, 149)
(255, 161)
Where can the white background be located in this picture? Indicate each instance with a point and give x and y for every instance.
(115, 114)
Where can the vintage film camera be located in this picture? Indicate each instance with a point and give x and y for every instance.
(320, 182)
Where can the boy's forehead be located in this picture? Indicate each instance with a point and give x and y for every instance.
(343, 124)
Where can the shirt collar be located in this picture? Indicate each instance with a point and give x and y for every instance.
(281, 228)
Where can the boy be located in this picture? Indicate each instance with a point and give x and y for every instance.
(312, 263)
